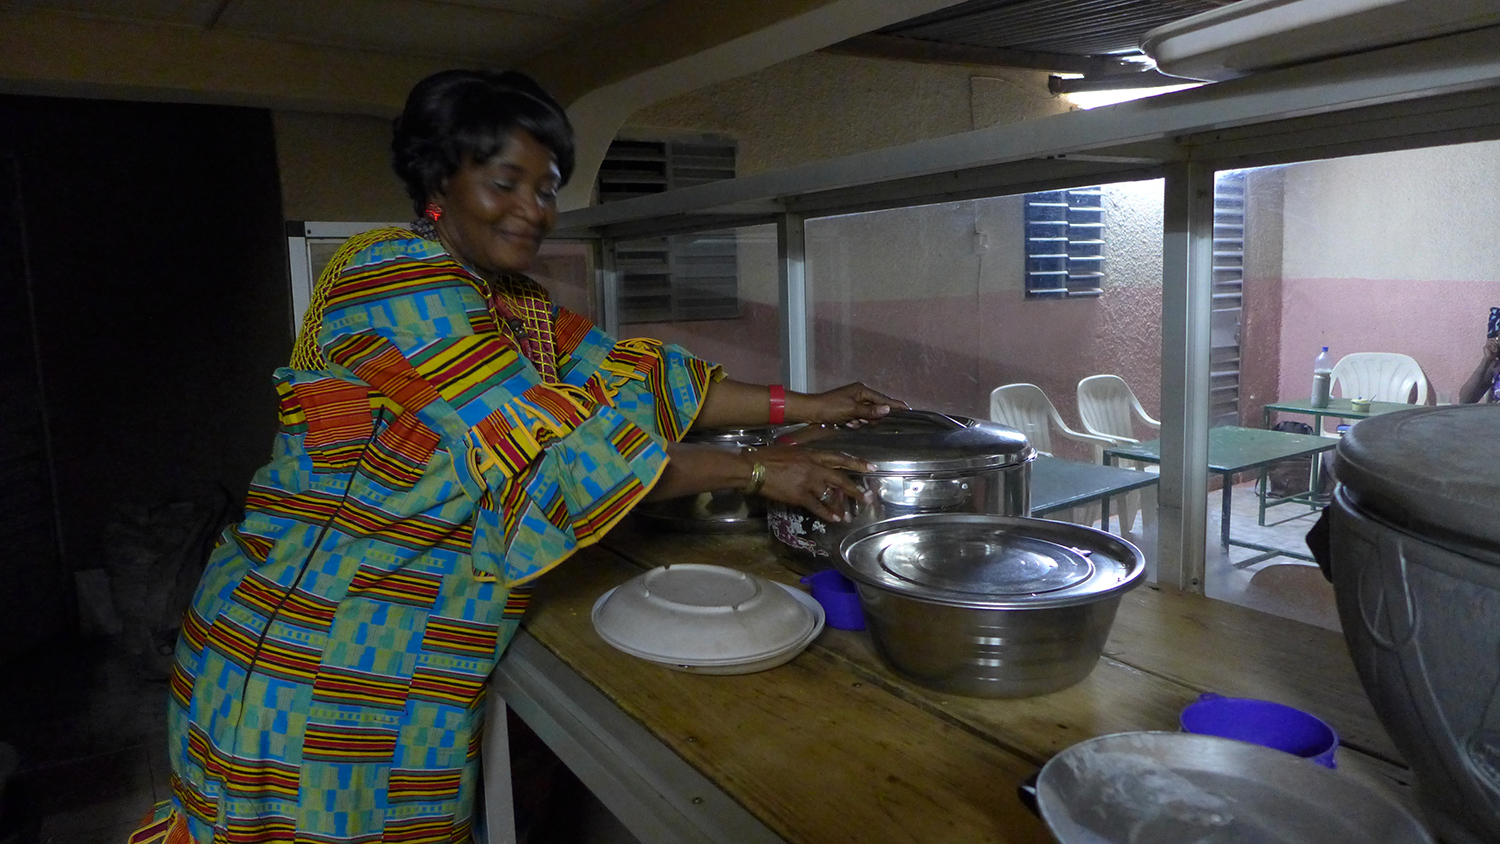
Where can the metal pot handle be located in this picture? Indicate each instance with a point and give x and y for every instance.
(926, 416)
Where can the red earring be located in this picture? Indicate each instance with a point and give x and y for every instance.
(433, 212)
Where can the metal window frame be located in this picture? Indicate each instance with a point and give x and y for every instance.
(299, 237)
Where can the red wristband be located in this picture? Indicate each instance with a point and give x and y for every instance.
(777, 414)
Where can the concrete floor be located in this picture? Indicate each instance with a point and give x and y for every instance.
(91, 732)
(1264, 580)
(1279, 585)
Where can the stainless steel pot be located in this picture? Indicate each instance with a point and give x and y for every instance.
(721, 511)
(989, 606)
(925, 462)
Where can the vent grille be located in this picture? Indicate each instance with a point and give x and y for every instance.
(1228, 285)
(1064, 243)
(682, 277)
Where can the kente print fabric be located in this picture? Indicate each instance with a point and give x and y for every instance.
(329, 679)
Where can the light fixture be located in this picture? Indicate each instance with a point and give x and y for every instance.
(1094, 99)
(1094, 90)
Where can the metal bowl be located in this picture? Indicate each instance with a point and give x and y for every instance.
(1182, 788)
(989, 606)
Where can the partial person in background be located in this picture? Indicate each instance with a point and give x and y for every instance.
(448, 435)
(1484, 384)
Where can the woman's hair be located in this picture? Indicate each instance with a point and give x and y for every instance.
(457, 116)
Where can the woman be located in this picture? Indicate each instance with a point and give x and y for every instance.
(1483, 384)
(447, 436)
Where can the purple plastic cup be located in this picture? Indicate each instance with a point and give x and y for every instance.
(1263, 722)
(840, 602)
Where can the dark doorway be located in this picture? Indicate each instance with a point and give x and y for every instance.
(156, 273)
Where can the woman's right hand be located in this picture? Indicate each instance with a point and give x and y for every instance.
(1492, 349)
(814, 480)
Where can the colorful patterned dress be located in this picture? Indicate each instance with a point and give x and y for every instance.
(441, 445)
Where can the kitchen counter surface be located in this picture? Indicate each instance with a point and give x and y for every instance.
(834, 747)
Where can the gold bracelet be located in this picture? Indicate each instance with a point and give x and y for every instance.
(757, 478)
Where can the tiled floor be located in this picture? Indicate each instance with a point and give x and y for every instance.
(91, 731)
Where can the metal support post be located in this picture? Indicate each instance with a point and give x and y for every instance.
(607, 296)
(791, 254)
(1186, 313)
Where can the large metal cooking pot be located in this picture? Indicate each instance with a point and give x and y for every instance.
(990, 606)
(925, 462)
(1415, 557)
(720, 511)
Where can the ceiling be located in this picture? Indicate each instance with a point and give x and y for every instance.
(1052, 34)
(485, 32)
(603, 59)
(1099, 39)
(1067, 27)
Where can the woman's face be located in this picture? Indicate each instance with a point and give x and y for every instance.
(496, 212)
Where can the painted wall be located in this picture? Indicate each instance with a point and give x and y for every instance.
(928, 304)
(824, 105)
(1260, 317)
(1396, 252)
(337, 167)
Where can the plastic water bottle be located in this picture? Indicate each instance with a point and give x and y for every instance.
(1322, 378)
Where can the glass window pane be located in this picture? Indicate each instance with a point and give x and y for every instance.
(566, 269)
(1392, 254)
(715, 294)
(930, 305)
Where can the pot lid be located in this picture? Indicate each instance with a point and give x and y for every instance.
(990, 562)
(704, 615)
(910, 441)
(1428, 470)
(749, 435)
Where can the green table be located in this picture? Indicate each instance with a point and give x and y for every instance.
(1057, 484)
(1335, 409)
(1232, 450)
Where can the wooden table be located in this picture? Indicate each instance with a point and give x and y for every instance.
(1232, 450)
(833, 747)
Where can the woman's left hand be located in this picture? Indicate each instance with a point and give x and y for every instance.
(854, 404)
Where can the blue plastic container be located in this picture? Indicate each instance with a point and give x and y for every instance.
(1263, 722)
(840, 602)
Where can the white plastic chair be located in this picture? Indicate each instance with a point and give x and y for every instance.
(1027, 409)
(1381, 376)
(1105, 404)
(1109, 409)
